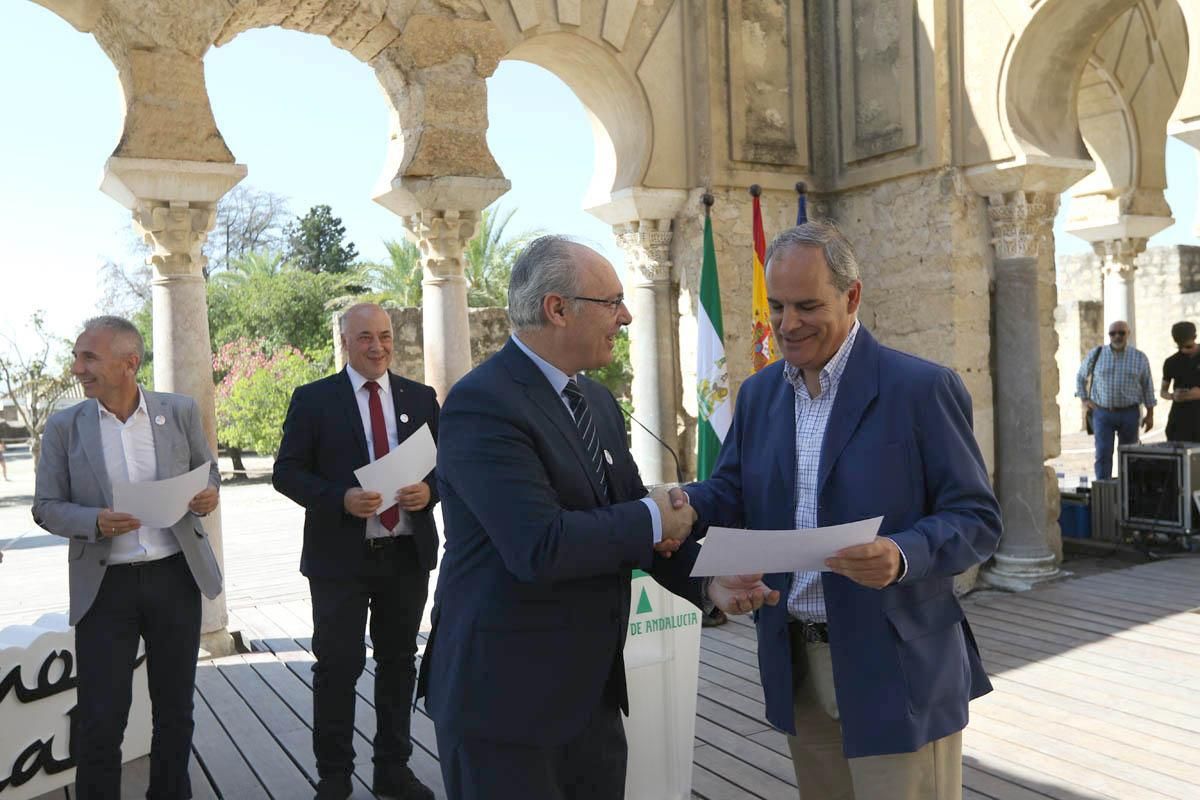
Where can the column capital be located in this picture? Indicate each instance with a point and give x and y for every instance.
(647, 247)
(441, 235)
(176, 232)
(1021, 222)
(1119, 255)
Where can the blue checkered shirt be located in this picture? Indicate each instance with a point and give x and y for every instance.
(1121, 379)
(807, 598)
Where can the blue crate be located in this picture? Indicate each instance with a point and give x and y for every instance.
(1075, 518)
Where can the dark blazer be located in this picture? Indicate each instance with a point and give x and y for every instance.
(899, 445)
(532, 600)
(323, 443)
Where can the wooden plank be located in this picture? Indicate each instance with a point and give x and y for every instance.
(280, 776)
(746, 750)
(752, 781)
(135, 778)
(202, 788)
(996, 787)
(220, 758)
(710, 786)
(288, 729)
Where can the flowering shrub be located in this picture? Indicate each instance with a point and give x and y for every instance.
(254, 391)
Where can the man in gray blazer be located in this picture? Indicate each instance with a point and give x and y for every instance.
(127, 580)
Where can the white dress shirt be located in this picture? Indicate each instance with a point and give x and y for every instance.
(362, 395)
(129, 456)
(558, 382)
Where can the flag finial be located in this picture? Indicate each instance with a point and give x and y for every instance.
(755, 190)
(707, 199)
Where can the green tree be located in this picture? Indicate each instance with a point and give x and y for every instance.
(316, 242)
(489, 258)
(617, 375)
(285, 309)
(32, 382)
(397, 281)
(258, 263)
(254, 392)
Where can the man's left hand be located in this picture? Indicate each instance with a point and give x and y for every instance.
(204, 502)
(874, 564)
(415, 497)
(1148, 422)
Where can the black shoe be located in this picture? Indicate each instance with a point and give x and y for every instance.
(399, 783)
(713, 619)
(333, 789)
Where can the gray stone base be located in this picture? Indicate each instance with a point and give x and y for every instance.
(217, 644)
(1020, 573)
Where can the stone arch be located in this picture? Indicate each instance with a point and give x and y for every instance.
(1043, 74)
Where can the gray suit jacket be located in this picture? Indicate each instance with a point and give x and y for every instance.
(73, 486)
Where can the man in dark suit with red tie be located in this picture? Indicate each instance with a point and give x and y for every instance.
(361, 550)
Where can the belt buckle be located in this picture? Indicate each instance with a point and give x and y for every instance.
(376, 544)
(817, 632)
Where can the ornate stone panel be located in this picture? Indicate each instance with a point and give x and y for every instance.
(768, 120)
(877, 73)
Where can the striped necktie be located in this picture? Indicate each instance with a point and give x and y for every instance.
(587, 430)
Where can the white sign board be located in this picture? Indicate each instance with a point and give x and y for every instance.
(37, 694)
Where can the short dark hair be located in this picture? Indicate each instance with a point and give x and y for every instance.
(1183, 332)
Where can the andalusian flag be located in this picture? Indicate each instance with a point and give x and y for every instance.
(762, 345)
(712, 378)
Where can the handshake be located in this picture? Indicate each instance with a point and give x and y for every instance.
(678, 518)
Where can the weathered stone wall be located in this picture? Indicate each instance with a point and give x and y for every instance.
(489, 332)
(1168, 291)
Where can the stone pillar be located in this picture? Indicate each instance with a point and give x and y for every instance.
(174, 208)
(1119, 274)
(1021, 224)
(442, 214)
(647, 247)
(642, 221)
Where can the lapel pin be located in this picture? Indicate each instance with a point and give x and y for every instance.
(404, 417)
(608, 457)
(160, 420)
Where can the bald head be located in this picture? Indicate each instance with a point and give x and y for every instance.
(367, 339)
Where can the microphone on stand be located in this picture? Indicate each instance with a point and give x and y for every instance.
(678, 468)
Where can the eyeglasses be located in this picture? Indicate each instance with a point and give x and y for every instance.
(1118, 333)
(614, 305)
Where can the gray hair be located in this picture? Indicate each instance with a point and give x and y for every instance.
(547, 265)
(839, 254)
(122, 329)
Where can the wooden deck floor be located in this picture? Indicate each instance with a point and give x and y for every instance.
(1097, 696)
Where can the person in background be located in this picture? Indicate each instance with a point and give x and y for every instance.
(1119, 385)
(1181, 385)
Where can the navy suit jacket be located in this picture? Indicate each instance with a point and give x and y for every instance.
(899, 445)
(532, 601)
(323, 443)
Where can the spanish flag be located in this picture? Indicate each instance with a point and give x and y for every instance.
(762, 344)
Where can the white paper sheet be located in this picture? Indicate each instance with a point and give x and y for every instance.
(409, 462)
(160, 504)
(731, 551)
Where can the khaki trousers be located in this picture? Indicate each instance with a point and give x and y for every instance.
(822, 773)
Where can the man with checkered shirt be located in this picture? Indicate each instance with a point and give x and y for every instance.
(1119, 384)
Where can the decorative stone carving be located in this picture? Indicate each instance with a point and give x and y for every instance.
(647, 246)
(1119, 255)
(441, 236)
(1021, 222)
(176, 232)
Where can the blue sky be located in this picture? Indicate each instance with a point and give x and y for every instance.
(311, 124)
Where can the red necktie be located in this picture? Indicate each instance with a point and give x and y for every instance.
(379, 439)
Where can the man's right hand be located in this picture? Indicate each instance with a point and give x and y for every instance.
(113, 523)
(741, 594)
(361, 503)
(677, 522)
(1089, 405)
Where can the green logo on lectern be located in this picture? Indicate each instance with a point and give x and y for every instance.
(643, 606)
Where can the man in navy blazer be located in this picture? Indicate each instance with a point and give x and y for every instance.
(546, 517)
(361, 551)
(868, 667)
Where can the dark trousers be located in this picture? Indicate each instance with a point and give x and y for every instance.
(1123, 424)
(159, 602)
(395, 597)
(590, 766)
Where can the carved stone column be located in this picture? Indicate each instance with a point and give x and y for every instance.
(1119, 273)
(642, 222)
(174, 207)
(1021, 225)
(442, 214)
(647, 247)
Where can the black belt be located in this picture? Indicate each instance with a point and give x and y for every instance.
(808, 631)
(1118, 410)
(385, 542)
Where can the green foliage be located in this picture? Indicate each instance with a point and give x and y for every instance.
(489, 259)
(617, 375)
(258, 263)
(316, 242)
(253, 395)
(396, 282)
(286, 308)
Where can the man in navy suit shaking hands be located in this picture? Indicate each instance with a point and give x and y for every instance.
(545, 518)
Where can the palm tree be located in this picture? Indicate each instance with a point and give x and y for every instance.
(398, 281)
(255, 264)
(489, 259)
